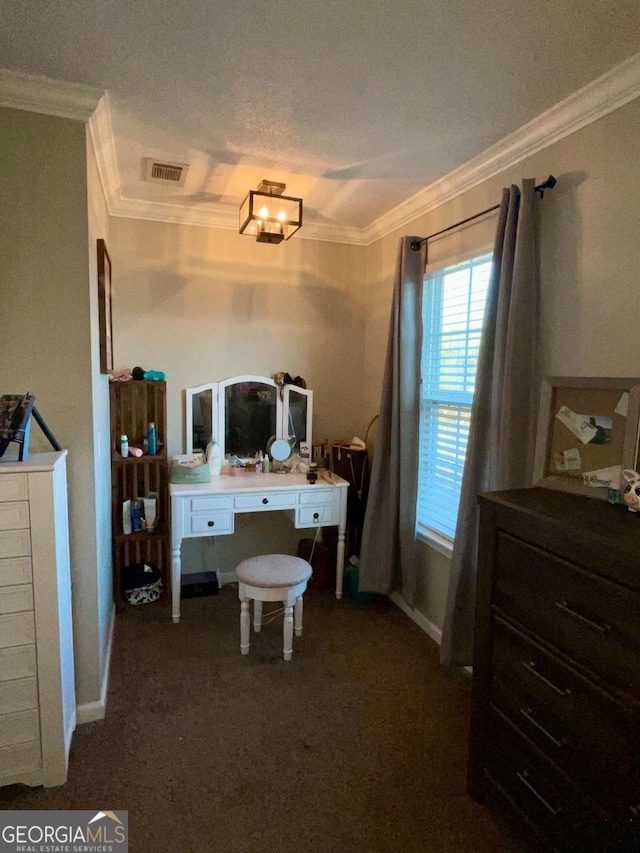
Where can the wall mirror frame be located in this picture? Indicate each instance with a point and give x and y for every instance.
(244, 412)
(577, 455)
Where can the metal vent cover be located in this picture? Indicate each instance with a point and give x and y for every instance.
(161, 172)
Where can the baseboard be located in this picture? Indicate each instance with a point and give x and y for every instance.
(89, 712)
(227, 577)
(419, 618)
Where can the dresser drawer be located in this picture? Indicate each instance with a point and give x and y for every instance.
(18, 695)
(209, 504)
(15, 570)
(315, 497)
(17, 629)
(13, 487)
(570, 819)
(15, 543)
(592, 620)
(270, 500)
(17, 662)
(14, 515)
(582, 729)
(19, 728)
(211, 522)
(15, 599)
(20, 758)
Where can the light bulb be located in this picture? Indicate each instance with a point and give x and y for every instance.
(263, 213)
(282, 216)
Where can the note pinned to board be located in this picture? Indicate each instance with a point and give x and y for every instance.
(577, 424)
(623, 405)
(603, 477)
(572, 461)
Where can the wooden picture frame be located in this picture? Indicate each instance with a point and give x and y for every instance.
(105, 316)
(580, 455)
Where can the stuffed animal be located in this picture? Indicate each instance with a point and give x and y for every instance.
(631, 494)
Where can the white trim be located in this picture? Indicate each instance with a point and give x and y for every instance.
(419, 618)
(101, 135)
(440, 542)
(602, 96)
(89, 712)
(37, 94)
(464, 258)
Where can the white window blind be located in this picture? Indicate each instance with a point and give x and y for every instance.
(452, 315)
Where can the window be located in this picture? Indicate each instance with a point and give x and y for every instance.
(453, 305)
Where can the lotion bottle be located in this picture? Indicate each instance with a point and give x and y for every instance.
(215, 458)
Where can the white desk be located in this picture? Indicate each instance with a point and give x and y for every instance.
(209, 509)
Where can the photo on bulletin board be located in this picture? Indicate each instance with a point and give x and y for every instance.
(587, 433)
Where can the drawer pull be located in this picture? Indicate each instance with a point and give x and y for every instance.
(596, 626)
(265, 500)
(211, 523)
(531, 667)
(316, 516)
(527, 713)
(525, 781)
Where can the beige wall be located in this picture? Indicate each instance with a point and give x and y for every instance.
(590, 256)
(46, 341)
(204, 304)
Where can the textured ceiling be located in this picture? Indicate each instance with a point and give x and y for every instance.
(355, 105)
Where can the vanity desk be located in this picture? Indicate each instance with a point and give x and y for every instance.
(209, 509)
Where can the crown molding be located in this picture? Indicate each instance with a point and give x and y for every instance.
(37, 94)
(101, 136)
(607, 93)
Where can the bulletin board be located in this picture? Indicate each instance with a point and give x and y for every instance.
(587, 433)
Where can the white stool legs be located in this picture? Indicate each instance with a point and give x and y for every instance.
(288, 631)
(257, 615)
(244, 626)
(297, 623)
(291, 597)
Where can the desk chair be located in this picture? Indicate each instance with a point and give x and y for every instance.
(272, 577)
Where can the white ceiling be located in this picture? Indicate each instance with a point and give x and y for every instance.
(355, 104)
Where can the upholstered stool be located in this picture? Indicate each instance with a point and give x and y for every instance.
(272, 577)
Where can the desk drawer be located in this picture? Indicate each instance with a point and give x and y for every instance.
(14, 515)
(14, 599)
(211, 523)
(315, 497)
(13, 487)
(270, 500)
(17, 629)
(209, 504)
(17, 662)
(310, 516)
(15, 543)
(18, 695)
(19, 728)
(592, 620)
(15, 570)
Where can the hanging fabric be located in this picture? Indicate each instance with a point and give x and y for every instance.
(387, 557)
(501, 442)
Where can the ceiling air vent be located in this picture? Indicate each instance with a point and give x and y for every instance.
(165, 173)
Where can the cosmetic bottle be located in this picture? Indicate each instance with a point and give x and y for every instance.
(152, 440)
(124, 446)
(215, 458)
(266, 464)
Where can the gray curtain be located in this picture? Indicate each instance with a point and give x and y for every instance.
(387, 554)
(502, 432)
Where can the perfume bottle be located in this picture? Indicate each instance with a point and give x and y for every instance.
(152, 440)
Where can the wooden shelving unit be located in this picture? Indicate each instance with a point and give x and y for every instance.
(134, 404)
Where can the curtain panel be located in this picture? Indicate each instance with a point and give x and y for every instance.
(388, 552)
(501, 442)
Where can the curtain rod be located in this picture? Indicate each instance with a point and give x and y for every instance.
(549, 184)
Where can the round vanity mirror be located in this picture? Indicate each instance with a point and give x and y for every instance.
(280, 450)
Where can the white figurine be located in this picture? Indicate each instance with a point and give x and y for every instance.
(631, 494)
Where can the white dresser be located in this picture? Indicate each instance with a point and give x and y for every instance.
(37, 686)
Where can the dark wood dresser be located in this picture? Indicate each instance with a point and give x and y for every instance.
(555, 723)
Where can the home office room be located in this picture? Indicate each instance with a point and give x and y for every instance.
(319, 441)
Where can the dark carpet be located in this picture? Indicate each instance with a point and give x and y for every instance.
(357, 744)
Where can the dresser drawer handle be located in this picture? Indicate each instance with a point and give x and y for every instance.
(596, 626)
(265, 500)
(525, 781)
(211, 523)
(531, 667)
(527, 713)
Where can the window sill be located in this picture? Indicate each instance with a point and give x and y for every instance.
(440, 542)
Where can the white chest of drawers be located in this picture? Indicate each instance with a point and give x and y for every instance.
(37, 686)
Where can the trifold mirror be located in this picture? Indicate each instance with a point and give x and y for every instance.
(243, 413)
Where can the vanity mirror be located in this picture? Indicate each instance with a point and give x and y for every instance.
(243, 413)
